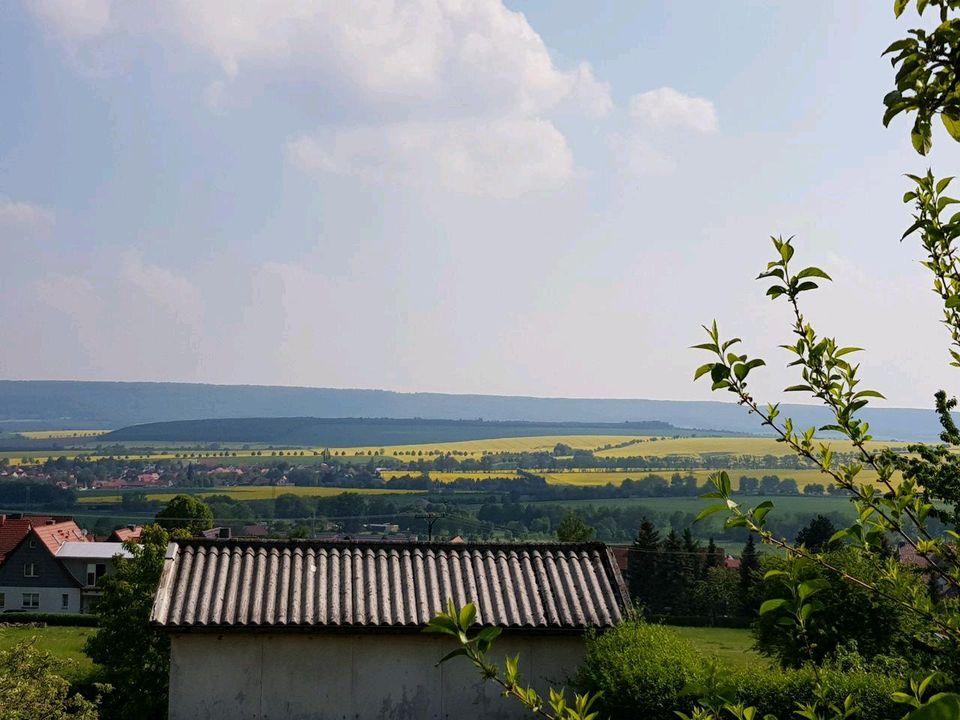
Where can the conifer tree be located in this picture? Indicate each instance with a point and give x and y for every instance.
(643, 567)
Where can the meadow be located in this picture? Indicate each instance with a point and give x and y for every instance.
(246, 492)
(791, 504)
(733, 647)
(60, 434)
(63, 642)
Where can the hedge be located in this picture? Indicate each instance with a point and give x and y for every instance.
(641, 671)
(74, 619)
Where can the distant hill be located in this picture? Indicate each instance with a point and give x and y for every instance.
(353, 432)
(28, 405)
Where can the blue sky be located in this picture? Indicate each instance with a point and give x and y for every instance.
(530, 198)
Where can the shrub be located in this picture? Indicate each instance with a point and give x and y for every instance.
(71, 619)
(778, 691)
(641, 671)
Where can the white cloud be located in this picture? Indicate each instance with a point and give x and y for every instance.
(667, 108)
(501, 158)
(19, 215)
(638, 157)
(74, 19)
(469, 78)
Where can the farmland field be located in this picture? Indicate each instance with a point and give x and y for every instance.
(590, 477)
(694, 446)
(60, 434)
(251, 492)
(796, 504)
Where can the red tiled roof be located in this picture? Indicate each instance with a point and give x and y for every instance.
(14, 530)
(53, 536)
(731, 563)
(124, 534)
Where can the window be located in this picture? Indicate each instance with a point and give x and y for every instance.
(30, 570)
(95, 572)
(64, 602)
(31, 601)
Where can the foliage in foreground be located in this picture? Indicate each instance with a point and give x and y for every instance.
(33, 688)
(134, 657)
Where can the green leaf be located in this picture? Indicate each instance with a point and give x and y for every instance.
(944, 706)
(952, 124)
(702, 370)
(813, 272)
(943, 183)
(468, 613)
(712, 347)
(452, 654)
(773, 573)
(761, 510)
(798, 388)
(899, 6)
(921, 137)
(708, 511)
(771, 605)
(804, 286)
(869, 393)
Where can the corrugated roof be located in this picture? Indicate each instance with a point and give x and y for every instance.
(313, 585)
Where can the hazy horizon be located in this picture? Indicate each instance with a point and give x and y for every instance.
(481, 198)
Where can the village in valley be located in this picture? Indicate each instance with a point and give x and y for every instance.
(479, 360)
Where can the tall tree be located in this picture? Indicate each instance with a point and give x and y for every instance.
(749, 564)
(135, 658)
(816, 534)
(185, 512)
(643, 567)
(573, 529)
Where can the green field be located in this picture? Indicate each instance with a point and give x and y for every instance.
(795, 504)
(603, 477)
(731, 646)
(65, 643)
(247, 492)
(694, 446)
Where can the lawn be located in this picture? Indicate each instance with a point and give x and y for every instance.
(65, 643)
(247, 492)
(731, 646)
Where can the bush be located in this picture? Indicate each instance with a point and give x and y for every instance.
(778, 691)
(70, 619)
(640, 670)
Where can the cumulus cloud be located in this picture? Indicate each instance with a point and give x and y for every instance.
(18, 215)
(666, 108)
(471, 79)
(501, 157)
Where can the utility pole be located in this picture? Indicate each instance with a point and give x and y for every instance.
(431, 518)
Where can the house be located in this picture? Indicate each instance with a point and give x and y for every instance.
(15, 527)
(312, 629)
(130, 532)
(54, 569)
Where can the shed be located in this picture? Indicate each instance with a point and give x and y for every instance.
(321, 630)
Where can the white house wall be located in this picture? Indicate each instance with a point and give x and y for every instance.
(376, 676)
(51, 599)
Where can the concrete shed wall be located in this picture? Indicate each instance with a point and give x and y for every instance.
(375, 676)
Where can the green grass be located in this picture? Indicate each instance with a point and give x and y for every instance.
(798, 504)
(731, 646)
(64, 643)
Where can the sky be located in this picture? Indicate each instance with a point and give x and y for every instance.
(464, 196)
